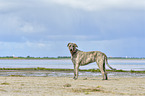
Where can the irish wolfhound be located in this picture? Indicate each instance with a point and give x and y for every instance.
(80, 58)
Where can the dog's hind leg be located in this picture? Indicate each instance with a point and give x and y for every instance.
(101, 65)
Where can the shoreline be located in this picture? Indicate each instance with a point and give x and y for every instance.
(57, 69)
(52, 73)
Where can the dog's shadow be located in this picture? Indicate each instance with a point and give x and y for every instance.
(98, 79)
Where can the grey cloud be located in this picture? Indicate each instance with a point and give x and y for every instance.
(63, 20)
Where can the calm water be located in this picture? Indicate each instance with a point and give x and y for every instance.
(67, 64)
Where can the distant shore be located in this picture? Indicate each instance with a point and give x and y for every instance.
(65, 57)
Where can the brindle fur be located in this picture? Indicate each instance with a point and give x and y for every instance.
(80, 58)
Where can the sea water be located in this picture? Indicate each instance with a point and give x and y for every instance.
(119, 64)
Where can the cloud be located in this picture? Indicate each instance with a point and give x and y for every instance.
(36, 44)
(26, 48)
(93, 5)
(28, 27)
(6, 5)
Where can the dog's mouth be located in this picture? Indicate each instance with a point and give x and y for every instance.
(73, 51)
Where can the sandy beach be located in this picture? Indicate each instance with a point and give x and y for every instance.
(66, 86)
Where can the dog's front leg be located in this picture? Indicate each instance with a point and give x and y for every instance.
(76, 71)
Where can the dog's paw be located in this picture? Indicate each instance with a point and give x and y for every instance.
(75, 78)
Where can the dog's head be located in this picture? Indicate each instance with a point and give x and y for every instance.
(72, 47)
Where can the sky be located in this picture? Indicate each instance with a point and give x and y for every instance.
(43, 28)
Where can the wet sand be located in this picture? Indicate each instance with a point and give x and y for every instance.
(66, 86)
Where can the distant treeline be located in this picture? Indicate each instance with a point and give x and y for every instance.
(126, 57)
(29, 57)
(63, 57)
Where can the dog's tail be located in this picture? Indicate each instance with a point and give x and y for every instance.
(106, 60)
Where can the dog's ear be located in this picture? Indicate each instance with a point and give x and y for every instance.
(68, 44)
(76, 45)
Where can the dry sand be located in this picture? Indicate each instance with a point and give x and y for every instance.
(66, 86)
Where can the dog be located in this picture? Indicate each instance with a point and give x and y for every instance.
(80, 58)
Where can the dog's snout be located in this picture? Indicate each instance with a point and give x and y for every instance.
(70, 49)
